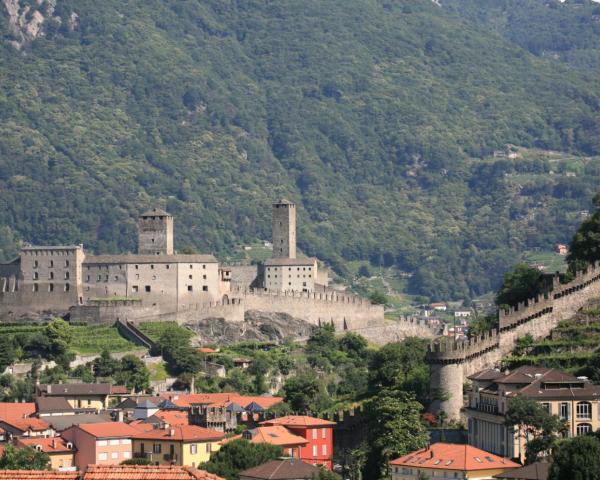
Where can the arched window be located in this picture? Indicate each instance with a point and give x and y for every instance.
(583, 429)
(584, 411)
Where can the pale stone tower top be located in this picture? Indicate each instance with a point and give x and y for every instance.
(284, 229)
(155, 233)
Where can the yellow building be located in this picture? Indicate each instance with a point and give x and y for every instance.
(185, 445)
(61, 452)
(573, 399)
(449, 461)
(92, 396)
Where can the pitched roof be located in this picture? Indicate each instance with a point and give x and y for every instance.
(173, 417)
(187, 400)
(62, 422)
(49, 445)
(288, 469)
(25, 424)
(109, 430)
(37, 475)
(16, 410)
(139, 472)
(133, 258)
(298, 421)
(535, 471)
(52, 404)
(181, 433)
(275, 435)
(490, 374)
(451, 456)
(68, 389)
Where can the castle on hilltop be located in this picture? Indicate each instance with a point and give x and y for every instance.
(55, 278)
(159, 284)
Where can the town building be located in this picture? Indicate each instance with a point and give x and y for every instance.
(448, 461)
(285, 469)
(574, 399)
(60, 451)
(276, 435)
(317, 432)
(107, 443)
(176, 445)
(92, 396)
(113, 472)
(534, 471)
(26, 427)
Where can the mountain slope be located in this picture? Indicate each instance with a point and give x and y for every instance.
(568, 31)
(372, 115)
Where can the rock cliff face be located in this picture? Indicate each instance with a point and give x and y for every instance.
(27, 22)
(257, 326)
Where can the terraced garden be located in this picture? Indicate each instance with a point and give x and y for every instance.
(155, 329)
(570, 347)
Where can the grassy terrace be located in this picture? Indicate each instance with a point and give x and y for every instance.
(87, 339)
(155, 329)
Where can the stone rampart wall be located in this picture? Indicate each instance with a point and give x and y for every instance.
(343, 311)
(536, 317)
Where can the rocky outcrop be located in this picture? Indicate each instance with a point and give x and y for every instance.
(257, 326)
(26, 22)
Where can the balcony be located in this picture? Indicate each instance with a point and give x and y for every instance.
(170, 457)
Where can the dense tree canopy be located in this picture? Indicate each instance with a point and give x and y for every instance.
(377, 129)
(576, 459)
(520, 284)
(239, 455)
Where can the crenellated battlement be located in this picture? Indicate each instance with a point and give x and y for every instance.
(451, 360)
(451, 351)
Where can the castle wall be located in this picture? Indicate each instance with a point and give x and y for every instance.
(344, 312)
(397, 331)
(536, 317)
(244, 276)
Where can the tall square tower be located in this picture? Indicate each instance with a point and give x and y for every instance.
(155, 233)
(284, 229)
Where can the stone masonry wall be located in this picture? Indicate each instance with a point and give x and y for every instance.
(536, 317)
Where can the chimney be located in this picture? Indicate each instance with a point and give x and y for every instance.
(53, 443)
(172, 432)
(49, 389)
(120, 416)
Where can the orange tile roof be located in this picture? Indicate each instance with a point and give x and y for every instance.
(182, 433)
(173, 417)
(109, 430)
(49, 445)
(186, 400)
(141, 425)
(25, 424)
(298, 421)
(206, 350)
(451, 456)
(138, 472)
(37, 475)
(16, 410)
(275, 435)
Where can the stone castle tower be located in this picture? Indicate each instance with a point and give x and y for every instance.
(284, 229)
(155, 233)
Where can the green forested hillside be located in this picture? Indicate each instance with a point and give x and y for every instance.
(379, 117)
(567, 31)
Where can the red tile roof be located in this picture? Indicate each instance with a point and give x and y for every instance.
(173, 417)
(25, 424)
(182, 433)
(298, 421)
(49, 445)
(275, 435)
(137, 472)
(450, 456)
(186, 400)
(287, 469)
(37, 475)
(16, 410)
(109, 430)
